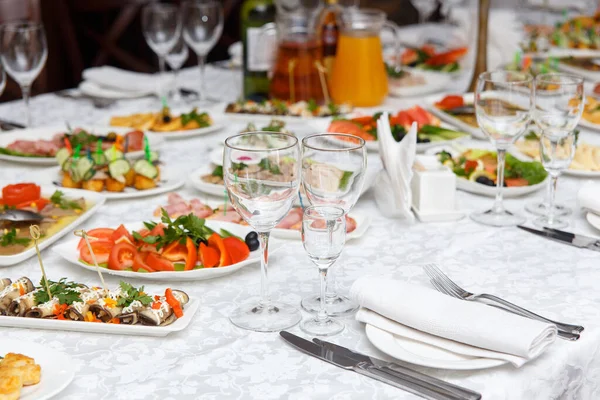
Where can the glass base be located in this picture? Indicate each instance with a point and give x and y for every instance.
(544, 222)
(261, 318)
(315, 327)
(337, 306)
(541, 209)
(493, 218)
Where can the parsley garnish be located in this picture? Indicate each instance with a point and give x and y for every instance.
(59, 200)
(312, 106)
(10, 238)
(218, 171)
(238, 166)
(64, 291)
(131, 294)
(267, 165)
(333, 109)
(202, 118)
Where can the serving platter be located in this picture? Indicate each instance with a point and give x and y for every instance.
(58, 368)
(94, 201)
(434, 82)
(68, 251)
(47, 132)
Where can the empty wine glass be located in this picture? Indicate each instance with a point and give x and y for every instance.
(23, 51)
(558, 108)
(503, 103)
(2, 79)
(262, 177)
(323, 237)
(202, 28)
(176, 58)
(556, 154)
(161, 26)
(333, 174)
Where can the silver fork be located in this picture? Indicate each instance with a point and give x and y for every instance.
(445, 285)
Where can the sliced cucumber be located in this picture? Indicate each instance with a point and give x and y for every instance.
(67, 164)
(145, 168)
(62, 155)
(118, 169)
(99, 159)
(153, 157)
(85, 168)
(113, 154)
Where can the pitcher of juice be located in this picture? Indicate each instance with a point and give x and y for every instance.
(359, 76)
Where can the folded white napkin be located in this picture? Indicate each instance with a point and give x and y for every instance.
(90, 88)
(462, 327)
(589, 197)
(392, 187)
(111, 82)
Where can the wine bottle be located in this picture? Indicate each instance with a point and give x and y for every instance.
(329, 31)
(256, 62)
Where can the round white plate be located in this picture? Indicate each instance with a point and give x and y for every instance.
(584, 73)
(196, 181)
(434, 82)
(166, 184)
(47, 132)
(58, 368)
(587, 124)
(68, 251)
(363, 222)
(484, 190)
(423, 354)
(593, 219)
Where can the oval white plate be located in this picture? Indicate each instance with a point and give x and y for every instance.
(434, 82)
(68, 251)
(363, 222)
(53, 176)
(96, 199)
(196, 181)
(455, 122)
(478, 188)
(48, 131)
(58, 368)
(419, 353)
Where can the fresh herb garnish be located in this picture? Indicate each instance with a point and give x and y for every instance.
(333, 109)
(218, 171)
(10, 238)
(131, 294)
(60, 201)
(225, 234)
(202, 119)
(312, 106)
(176, 231)
(394, 72)
(345, 179)
(238, 166)
(531, 136)
(267, 165)
(65, 291)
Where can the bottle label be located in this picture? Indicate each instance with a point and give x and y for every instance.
(261, 49)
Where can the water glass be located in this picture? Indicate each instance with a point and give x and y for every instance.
(323, 237)
(176, 58)
(23, 51)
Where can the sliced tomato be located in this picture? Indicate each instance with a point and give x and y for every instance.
(209, 257)
(451, 101)
(237, 249)
(97, 234)
(39, 204)
(350, 128)
(447, 57)
(470, 166)
(514, 182)
(122, 256)
(13, 195)
(175, 252)
(158, 263)
(420, 115)
(409, 56)
(366, 120)
(216, 242)
(192, 254)
(121, 232)
(428, 49)
(402, 118)
(101, 249)
(139, 262)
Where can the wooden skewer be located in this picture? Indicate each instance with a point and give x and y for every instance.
(322, 77)
(34, 231)
(83, 234)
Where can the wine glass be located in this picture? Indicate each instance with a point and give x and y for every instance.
(558, 108)
(23, 51)
(425, 8)
(556, 154)
(323, 237)
(262, 175)
(202, 28)
(333, 173)
(176, 58)
(503, 103)
(161, 26)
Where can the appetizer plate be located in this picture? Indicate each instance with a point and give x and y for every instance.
(582, 72)
(96, 201)
(455, 122)
(116, 329)
(363, 222)
(169, 184)
(48, 132)
(58, 368)
(434, 82)
(68, 251)
(587, 124)
(484, 190)
(419, 353)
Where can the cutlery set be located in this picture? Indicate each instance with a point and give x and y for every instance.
(573, 239)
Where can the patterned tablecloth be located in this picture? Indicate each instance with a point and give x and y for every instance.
(214, 359)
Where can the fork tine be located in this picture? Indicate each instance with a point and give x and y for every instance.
(446, 279)
(441, 288)
(447, 289)
(435, 278)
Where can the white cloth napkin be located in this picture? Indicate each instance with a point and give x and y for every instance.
(589, 197)
(109, 81)
(392, 187)
(462, 327)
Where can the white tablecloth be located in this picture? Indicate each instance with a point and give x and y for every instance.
(212, 359)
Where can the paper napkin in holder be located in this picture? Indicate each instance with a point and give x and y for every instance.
(392, 186)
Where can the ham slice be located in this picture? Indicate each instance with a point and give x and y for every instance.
(290, 220)
(34, 147)
(200, 209)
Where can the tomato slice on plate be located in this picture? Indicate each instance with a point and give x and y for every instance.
(122, 256)
(121, 232)
(101, 249)
(19, 193)
(175, 252)
(95, 235)
(139, 262)
(158, 263)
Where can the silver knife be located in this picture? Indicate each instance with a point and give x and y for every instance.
(418, 387)
(399, 370)
(576, 240)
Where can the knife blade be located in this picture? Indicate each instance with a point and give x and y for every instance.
(398, 369)
(579, 241)
(10, 125)
(418, 387)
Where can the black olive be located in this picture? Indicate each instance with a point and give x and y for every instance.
(425, 140)
(166, 119)
(484, 180)
(252, 241)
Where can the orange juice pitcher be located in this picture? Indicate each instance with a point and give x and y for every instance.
(359, 76)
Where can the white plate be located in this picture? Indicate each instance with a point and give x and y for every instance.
(571, 172)
(455, 122)
(169, 184)
(96, 199)
(47, 132)
(584, 73)
(259, 118)
(423, 354)
(593, 219)
(478, 188)
(68, 251)
(116, 329)
(58, 368)
(587, 124)
(434, 82)
(363, 222)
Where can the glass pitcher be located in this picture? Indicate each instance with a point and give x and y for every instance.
(359, 76)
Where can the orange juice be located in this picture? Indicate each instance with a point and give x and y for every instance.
(359, 77)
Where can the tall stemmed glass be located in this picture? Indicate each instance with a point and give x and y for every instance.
(503, 103)
(161, 26)
(333, 173)
(262, 191)
(202, 28)
(23, 51)
(176, 57)
(323, 237)
(558, 108)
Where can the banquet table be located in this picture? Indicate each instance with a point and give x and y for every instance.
(212, 359)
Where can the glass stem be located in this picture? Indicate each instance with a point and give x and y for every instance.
(322, 314)
(498, 205)
(26, 90)
(265, 299)
(202, 65)
(546, 201)
(330, 290)
(161, 74)
(176, 92)
(552, 198)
